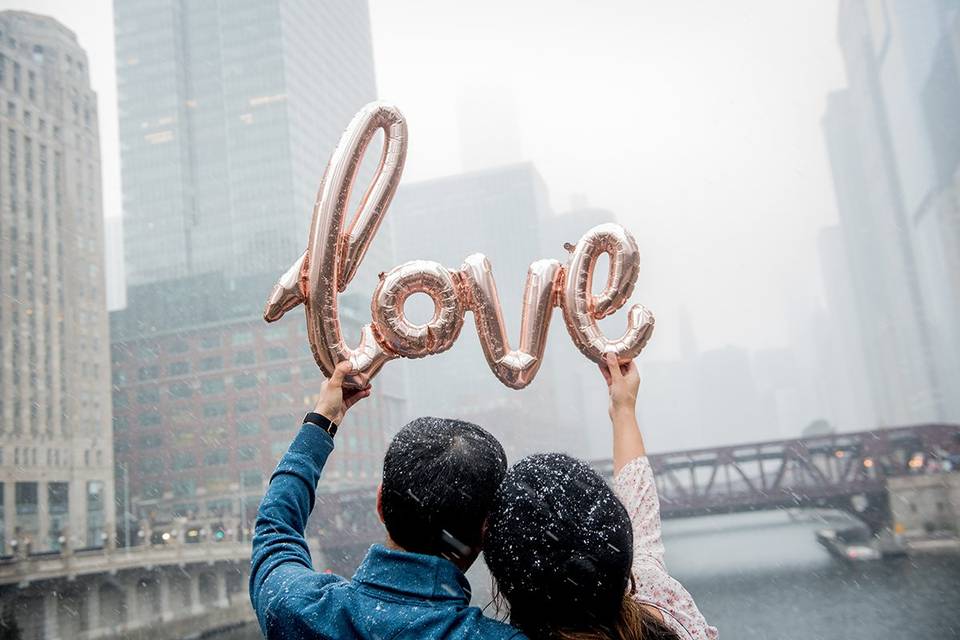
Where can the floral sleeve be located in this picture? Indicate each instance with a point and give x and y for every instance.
(635, 487)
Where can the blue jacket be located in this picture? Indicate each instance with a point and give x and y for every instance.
(392, 596)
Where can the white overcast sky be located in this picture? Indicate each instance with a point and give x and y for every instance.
(696, 122)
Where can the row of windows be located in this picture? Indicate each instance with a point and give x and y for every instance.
(152, 419)
(150, 351)
(27, 457)
(183, 460)
(213, 363)
(27, 502)
(187, 487)
(207, 386)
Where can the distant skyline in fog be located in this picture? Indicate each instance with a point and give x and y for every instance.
(696, 123)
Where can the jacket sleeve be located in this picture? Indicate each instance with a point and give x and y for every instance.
(281, 569)
(635, 487)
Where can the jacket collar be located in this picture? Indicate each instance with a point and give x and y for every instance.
(412, 575)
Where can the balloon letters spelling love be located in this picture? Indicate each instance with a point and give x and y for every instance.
(336, 247)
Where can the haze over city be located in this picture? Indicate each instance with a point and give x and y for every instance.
(787, 172)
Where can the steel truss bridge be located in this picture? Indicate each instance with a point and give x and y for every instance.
(818, 471)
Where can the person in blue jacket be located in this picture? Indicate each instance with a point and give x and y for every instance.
(439, 480)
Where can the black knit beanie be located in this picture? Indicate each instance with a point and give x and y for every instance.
(559, 544)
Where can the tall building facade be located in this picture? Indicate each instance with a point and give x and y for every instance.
(56, 455)
(894, 144)
(228, 113)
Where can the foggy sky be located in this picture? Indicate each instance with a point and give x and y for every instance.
(697, 123)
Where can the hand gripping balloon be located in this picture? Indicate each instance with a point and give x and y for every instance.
(336, 247)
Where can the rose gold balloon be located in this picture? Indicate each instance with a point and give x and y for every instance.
(581, 309)
(515, 368)
(333, 255)
(399, 335)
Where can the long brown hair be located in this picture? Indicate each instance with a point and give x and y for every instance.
(634, 622)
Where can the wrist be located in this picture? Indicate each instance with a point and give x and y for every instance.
(623, 409)
(623, 414)
(320, 420)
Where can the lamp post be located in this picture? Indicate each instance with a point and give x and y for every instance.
(126, 506)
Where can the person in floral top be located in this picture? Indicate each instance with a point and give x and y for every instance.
(577, 560)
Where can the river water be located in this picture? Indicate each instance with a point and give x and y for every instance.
(764, 576)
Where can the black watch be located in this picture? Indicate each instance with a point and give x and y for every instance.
(321, 421)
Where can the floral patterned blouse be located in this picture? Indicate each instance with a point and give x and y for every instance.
(635, 487)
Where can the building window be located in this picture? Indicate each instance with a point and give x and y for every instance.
(214, 409)
(184, 488)
(95, 514)
(120, 399)
(153, 491)
(246, 453)
(244, 357)
(211, 386)
(276, 332)
(152, 465)
(179, 368)
(26, 498)
(251, 479)
(276, 353)
(240, 338)
(58, 497)
(149, 373)
(280, 423)
(210, 341)
(211, 364)
(180, 390)
(147, 352)
(245, 381)
(183, 460)
(278, 376)
(149, 419)
(218, 456)
(148, 395)
(245, 405)
(151, 441)
(178, 346)
(248, 428)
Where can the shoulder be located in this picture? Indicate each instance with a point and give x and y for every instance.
(633, 469)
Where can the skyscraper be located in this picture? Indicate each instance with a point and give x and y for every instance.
(892, 136)
(56, 454)
(228, 113)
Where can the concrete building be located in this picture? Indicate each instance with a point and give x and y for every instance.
(926, 504)
(228, 114)
(892, 137)
(56, 458)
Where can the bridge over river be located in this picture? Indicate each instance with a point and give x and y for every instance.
(178, 589)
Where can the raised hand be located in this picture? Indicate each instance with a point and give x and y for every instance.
(334, 400)
(623, 384)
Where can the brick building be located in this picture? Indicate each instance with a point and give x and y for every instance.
(206, 401)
